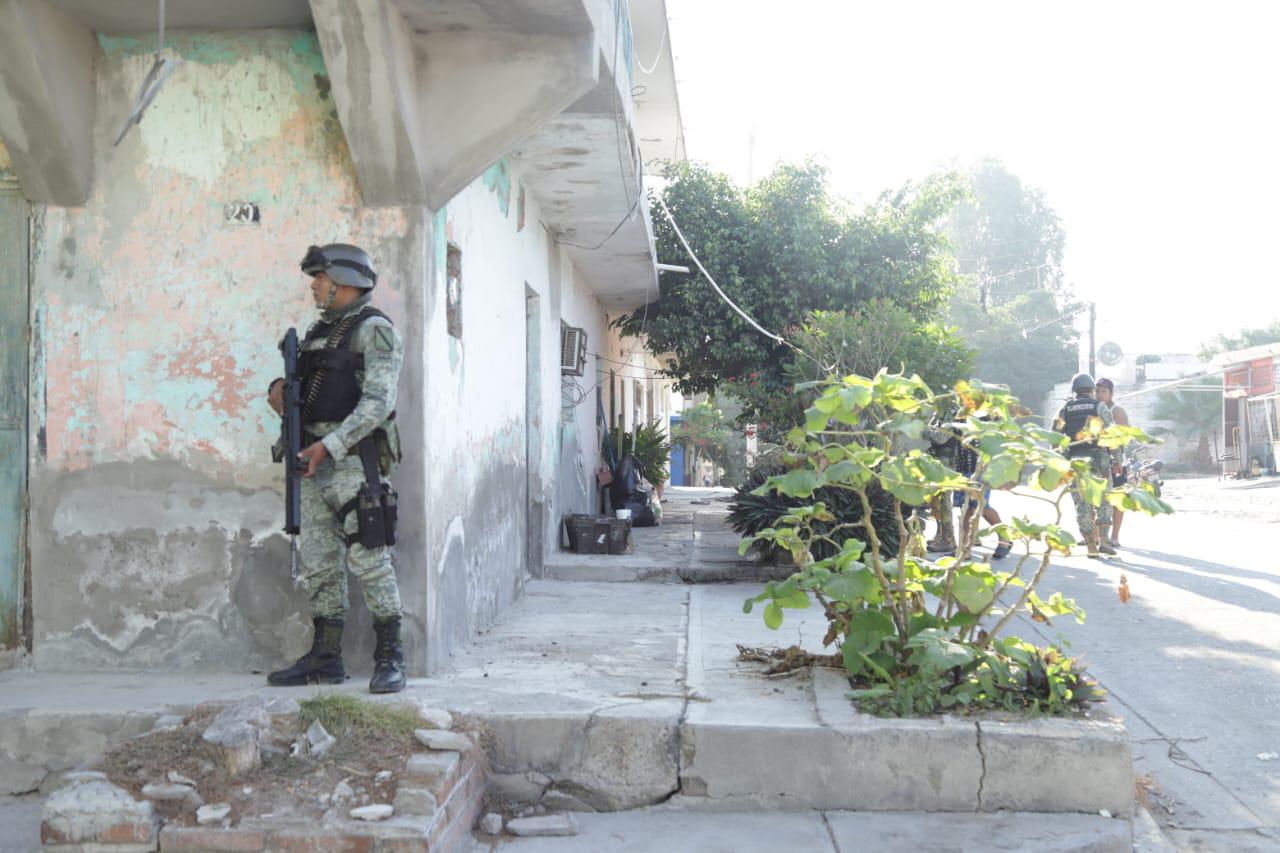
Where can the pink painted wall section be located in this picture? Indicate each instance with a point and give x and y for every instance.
(159, 316)
(6, 165)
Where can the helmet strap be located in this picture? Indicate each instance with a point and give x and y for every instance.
(333, 294)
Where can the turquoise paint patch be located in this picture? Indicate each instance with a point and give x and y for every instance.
(497, 179)
(440, 242)
(119, 45)
(298, 51)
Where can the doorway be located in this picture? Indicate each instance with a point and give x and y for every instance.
(14, 588)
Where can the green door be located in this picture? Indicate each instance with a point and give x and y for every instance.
(13, 409)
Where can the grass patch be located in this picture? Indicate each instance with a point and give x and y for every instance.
(345, 715)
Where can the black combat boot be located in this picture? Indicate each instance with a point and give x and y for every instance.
(321, 665)
(388, 657)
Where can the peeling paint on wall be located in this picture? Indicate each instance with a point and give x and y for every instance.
(497, 179)
(155, 505)
(6, 165)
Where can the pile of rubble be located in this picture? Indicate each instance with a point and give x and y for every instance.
(250, 779)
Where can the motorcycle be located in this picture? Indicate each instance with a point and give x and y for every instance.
(1145, 471)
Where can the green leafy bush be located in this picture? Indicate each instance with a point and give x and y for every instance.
(918, 636)
(649, 446)
(753, 511)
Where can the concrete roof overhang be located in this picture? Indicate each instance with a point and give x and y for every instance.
(584, 169)
(658, 122)
(134, 16)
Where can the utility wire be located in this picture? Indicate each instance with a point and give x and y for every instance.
(743, 314)
(698, 263)
(661, 46)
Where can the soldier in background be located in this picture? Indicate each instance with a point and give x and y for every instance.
(1107, 396)
(350, 365)
(1073, 421)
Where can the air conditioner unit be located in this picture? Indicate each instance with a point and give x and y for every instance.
(573, 350)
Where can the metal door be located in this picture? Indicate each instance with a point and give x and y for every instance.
(13, 410)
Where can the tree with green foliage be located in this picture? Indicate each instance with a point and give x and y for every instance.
(1008, 244)
(1245, 339)
(1196, 416)
(782, 249)
(706, 434)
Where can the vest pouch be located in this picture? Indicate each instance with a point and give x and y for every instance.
(390, 513)
(371, 521)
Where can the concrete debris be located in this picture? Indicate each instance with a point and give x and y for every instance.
(378, 811)
(343, 791)
(211, 814)
(94, 810)
(519, 787)
(85, 776)
(383, 776)
(559, 801)
(238, 730)
(415, 801)
(172, 793)
(166, 722)
(319, 741)
(442, 741)
(491, 824)
(178, 779)
(1268, 756)
(548, 825)
(435, 718)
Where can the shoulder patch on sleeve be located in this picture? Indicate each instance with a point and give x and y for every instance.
(382, 340)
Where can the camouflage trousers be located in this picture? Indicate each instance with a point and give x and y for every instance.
(326, 556)
(1088, 516)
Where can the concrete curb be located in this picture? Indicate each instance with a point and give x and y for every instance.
(943, 764)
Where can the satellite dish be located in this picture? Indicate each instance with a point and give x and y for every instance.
(1110, 354)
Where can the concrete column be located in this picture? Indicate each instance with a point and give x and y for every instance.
(47, 98)
(369, 54)
(425, 113)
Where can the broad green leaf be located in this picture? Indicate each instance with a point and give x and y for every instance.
(1002, 470)
(815, 420)
(973, 591)
(1091, 488)
(796, 599)
(773, 615)
(800, 483)
(936, 651)
(845, 471)
(868, 629)
(853, 586)
(854, 662)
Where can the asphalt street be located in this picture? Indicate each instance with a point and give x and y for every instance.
(1192, 661)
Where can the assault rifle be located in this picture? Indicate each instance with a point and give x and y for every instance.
(290, 445)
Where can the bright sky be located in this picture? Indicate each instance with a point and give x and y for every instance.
(1151, 126)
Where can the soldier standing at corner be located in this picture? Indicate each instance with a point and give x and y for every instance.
(1073, 420)
(349, 364)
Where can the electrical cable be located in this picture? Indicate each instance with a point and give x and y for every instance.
(698, 263)
(654, 65)
(615, 230)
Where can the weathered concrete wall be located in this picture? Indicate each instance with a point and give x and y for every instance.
(154, 504)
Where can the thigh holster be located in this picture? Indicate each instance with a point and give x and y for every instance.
(374, 505)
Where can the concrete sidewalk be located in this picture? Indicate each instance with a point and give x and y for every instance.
(693, 544)
(671, 829)
(613, 696)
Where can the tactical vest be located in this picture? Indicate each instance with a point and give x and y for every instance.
(330, 389)
(1075, 416)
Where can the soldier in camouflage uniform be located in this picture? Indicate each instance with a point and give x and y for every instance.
(349, 364)
(1073, 420)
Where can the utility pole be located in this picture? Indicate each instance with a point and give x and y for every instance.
(1093, 340)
